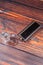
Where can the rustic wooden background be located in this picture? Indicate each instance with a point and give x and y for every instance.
(24, 53)
(33, 3)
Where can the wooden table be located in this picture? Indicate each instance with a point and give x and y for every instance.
(18, 17)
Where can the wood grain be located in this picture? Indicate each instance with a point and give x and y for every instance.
(18, 17)
(12, 56)
(32, 3)
(26, 11)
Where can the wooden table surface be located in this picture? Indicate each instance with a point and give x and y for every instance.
(33, 3)
(25, 53)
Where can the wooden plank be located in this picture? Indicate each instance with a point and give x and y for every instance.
(12, 56)
(24, 53)
(26, 11)
(33, 46)
(33, 3)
